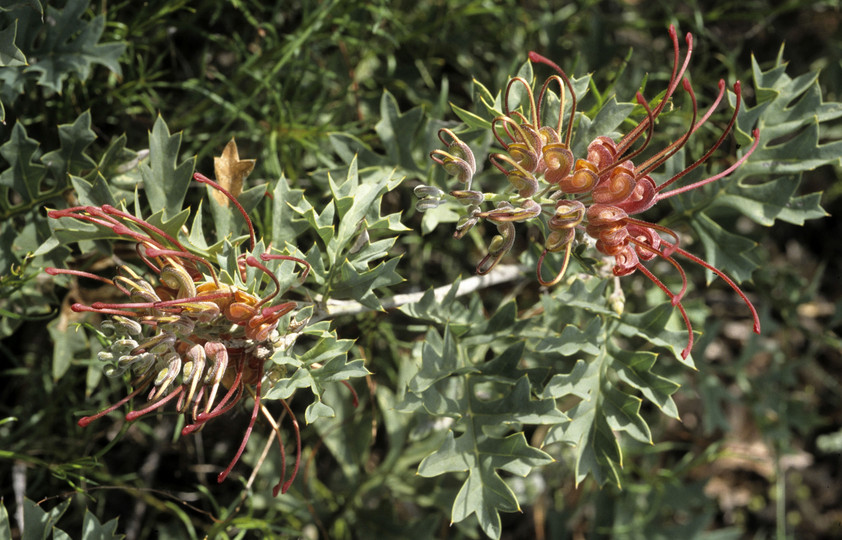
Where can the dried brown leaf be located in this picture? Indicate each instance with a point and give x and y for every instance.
(230, 172)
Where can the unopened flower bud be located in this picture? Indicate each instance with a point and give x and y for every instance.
(524, 182)
(126, 325)
(163, 346)
(143, 363)
(107, 328)
(557, 240)
(424, 191)
(187, 372)
(496, 243)
(112, 371)
(617, 299)
(427, 204)
(167, 375)
(465, 224)
(123, 346)
(177, 278)
(469, 197)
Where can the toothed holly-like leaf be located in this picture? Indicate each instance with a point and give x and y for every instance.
(92, 529)
(5, 526)
(775, 199)
(351, 229)
(635, 369)
(397, 130)
(489, 406)
(69, 340)
(438, 360)
(358, 206)
(444, 308)
(788, 114)
(652, 326)
(349, 282)
(95, 192)
(488, 106)
(571, 340)
(325, 362)
(286, 226)
(63, 43)
(603, 409)
(231, 172)
(71, 157)
(25, 171)
(606, 122)
(165, 180)
(484, 492)
(10, 54)
(320, 222)
(37, 178)
(470, 119)
(227, 220)
(39, 523)
(602, 389)
(725, 249)
(596, 448)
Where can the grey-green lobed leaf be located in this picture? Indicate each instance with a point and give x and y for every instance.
(166, 181)
(489, 404)
(788, 114)
(71, 45)
(10, 54)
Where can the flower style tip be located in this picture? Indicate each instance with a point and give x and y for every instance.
(538, 58)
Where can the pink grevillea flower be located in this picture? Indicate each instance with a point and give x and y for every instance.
(595, 195)
(185, 336)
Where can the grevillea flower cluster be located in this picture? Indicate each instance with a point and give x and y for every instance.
(185, 336)
(593, 196)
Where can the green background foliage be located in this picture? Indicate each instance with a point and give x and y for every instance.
(512, 411)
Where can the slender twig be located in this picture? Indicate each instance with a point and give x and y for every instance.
(19, 488)
(501, 274)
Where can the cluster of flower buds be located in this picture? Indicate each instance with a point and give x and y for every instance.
(585, 196)
(189, 337)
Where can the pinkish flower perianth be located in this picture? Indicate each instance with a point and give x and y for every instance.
(614, 188)
(597, 194)
(189, 338)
